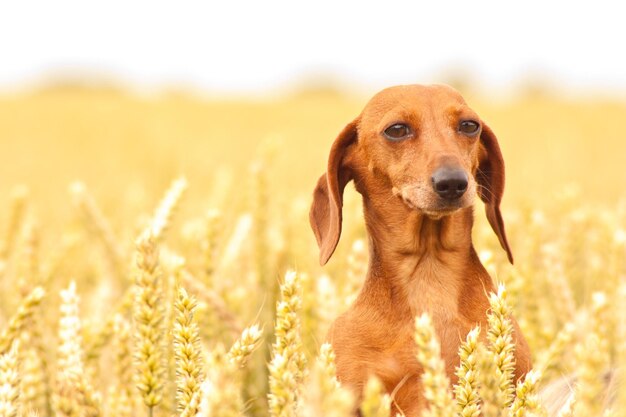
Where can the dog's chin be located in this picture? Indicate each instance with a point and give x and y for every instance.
(438, 211)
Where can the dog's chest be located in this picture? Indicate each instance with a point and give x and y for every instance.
(432, 289)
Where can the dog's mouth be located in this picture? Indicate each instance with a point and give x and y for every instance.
(433, 206)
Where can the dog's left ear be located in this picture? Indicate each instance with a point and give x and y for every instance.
(490, 178)
(326, 211)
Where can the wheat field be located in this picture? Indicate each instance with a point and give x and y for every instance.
(156, 259)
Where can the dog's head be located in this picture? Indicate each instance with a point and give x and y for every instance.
(421, 144)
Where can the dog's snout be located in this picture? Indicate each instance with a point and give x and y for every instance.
(450, 183)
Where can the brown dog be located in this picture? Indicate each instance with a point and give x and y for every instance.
(419, 156)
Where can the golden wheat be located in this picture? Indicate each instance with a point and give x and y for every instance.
(189, 368)
(75, 395)
(242, 349)
(149, 326)
(376, 403)
(435, 382)
(9, 382)
(466, 389)
(18, 322)
(288, 361)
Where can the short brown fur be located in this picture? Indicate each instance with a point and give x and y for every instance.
(421, 253)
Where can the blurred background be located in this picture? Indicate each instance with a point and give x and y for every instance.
(126, 95)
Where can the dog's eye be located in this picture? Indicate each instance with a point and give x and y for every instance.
(397, 132)
(469, 127)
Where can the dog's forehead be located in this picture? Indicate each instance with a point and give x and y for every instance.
(413, 98)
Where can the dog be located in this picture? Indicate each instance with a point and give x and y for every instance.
(418, 155)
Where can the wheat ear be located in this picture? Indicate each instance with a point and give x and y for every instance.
(148, 318)
(286, 368)
(9, 382)
(434, 379)
(189, 367)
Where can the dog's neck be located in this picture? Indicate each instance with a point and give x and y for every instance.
(414, 259)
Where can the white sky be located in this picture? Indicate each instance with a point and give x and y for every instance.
(259, 46)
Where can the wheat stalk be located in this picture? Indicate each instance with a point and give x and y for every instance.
(121, 399)
(209, 245)
(163, 214)
(148, 319)
(466, 389)
(19, 321)
(376, 403)
(226, 316)
(286, 369)
(435, 382)
(323, 395)
(98, 223)
(548, 360)
(74, 396)
(189, 367)
(592, 356)
(29, 274)
(489, 384)
(526, 402)
(9, 382)
(33, 381)
(244, 346)
(501, 346)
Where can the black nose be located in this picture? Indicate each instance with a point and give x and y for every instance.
(449, 183)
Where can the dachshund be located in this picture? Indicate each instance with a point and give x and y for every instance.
(419, 156)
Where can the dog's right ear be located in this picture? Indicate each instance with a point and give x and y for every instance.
(490, 178)
(325, 214)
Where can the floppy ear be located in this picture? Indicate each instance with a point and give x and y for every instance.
(490, 178)
(325, 213)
